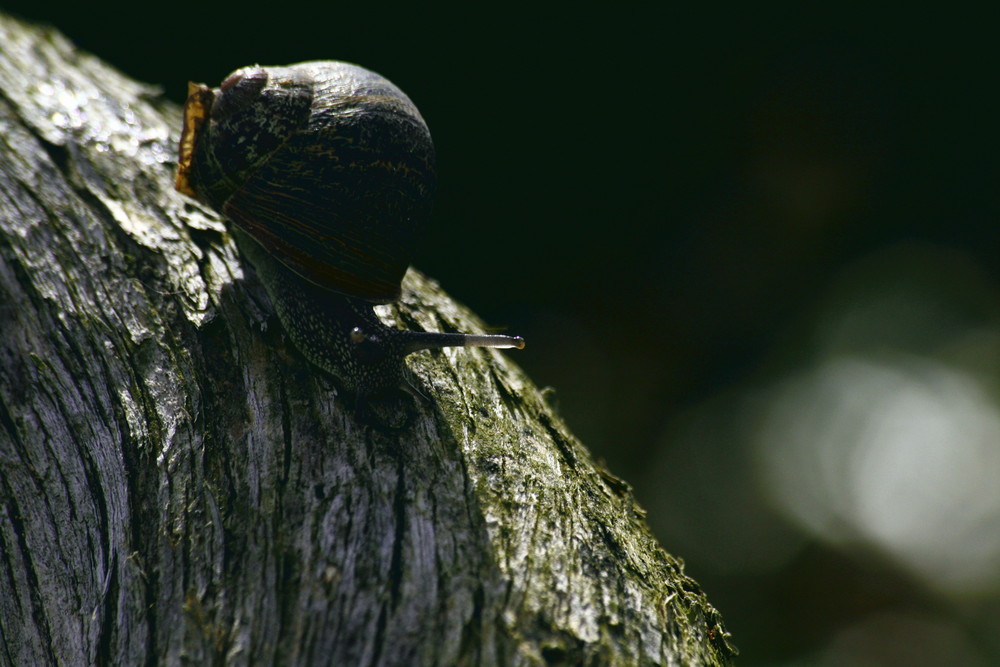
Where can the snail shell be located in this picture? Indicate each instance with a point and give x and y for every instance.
(328, 166)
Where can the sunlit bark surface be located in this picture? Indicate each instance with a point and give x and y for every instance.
(178, 485)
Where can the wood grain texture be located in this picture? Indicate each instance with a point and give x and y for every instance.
(177, 485)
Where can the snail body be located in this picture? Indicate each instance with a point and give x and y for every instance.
(326, 172)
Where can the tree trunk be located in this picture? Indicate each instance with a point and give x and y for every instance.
(178, 485)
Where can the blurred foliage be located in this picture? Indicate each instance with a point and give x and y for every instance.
(753, 250)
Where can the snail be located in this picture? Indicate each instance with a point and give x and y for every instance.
(325, 171)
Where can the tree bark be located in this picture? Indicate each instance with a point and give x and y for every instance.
(178, 485)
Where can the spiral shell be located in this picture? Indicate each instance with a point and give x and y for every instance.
(328, 166)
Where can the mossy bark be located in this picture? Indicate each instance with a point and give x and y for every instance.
(177, 485)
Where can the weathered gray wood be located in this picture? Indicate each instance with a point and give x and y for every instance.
(178, 485)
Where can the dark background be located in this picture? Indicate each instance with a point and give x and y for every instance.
(672, 208)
